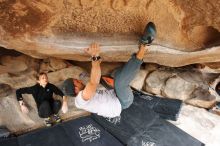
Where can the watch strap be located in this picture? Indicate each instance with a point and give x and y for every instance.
(95, 58)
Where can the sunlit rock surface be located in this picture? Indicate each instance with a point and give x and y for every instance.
(187, 31)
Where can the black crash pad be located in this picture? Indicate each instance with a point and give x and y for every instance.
(4, 132)
(166, 108)
(131, 121)
(80, 132)
(53, 136)
(86, 132)
(9, 142)
(140, 125)
(163, 133)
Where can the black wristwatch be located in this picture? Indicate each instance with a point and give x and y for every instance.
(95, 58)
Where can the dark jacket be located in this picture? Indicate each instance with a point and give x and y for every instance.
(39, 93)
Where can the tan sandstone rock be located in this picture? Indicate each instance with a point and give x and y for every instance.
(5, 90)
(210, 67)
(187, 30)
(52, 64)
(155, 81)
(107, 68)
(139, 80)
(12, 64)
(186, 83)
(202, 98)
(177, 88)
(24, 79)
(63, 74)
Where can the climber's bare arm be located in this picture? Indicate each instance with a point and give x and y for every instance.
(95, 76)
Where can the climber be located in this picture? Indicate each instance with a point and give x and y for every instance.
(43, 96)
(109, 103)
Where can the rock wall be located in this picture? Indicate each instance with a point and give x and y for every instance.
(187, 30)
(185, 83)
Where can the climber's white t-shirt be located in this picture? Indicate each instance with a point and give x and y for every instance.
(105, 103)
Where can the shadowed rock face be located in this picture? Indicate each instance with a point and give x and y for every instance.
(187, 30)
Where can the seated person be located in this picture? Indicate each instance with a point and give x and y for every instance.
(42, 93)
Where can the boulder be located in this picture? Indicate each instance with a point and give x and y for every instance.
(63, 74)
(155, 81)
(184, 83)
(52, 64)
(202, 98)
(138, 81)
(15, 64)
(15, 81)
(187, 31)
(177, 88)
(5, 90)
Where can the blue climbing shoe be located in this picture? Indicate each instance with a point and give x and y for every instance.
(148, 35)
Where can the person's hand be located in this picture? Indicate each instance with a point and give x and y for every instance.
(93, 50)
(64, 107)
(24, 109)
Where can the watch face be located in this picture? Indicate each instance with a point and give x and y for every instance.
(95, 58)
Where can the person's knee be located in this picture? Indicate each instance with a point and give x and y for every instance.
(125, 95)
(127, 103)
(44, 110)
(126, 99)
